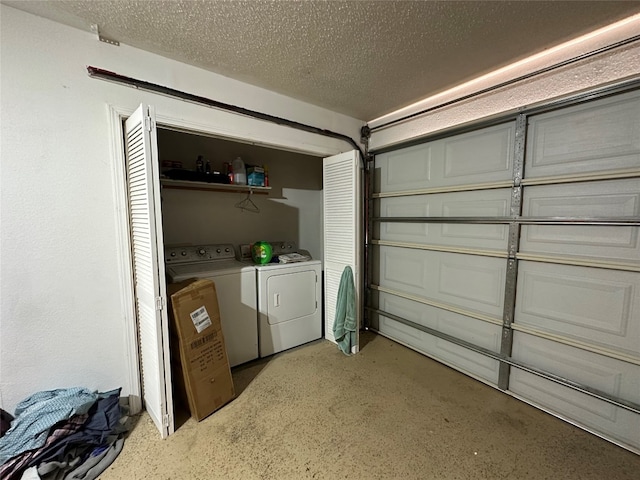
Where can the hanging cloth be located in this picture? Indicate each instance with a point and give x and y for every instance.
(345, 324)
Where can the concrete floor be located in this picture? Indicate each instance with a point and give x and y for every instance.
(313, 413)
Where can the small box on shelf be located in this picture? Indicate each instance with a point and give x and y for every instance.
(255, 176)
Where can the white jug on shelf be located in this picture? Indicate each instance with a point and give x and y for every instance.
(239, 172)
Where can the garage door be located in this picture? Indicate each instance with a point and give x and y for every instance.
(512, 254)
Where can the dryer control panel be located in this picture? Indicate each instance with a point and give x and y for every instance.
(198, 253)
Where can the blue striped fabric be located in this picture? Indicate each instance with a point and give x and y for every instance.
(38, 413)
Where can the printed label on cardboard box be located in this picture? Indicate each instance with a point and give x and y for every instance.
(200, 319)
(205, 354)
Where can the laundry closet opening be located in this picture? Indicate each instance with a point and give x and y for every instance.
(310, 218)
(200, 213)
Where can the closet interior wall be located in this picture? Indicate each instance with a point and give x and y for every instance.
(510, 251)
(291, 209)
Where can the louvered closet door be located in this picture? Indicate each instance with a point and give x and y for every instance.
(342, 231)
(528, 251)
(143, 183)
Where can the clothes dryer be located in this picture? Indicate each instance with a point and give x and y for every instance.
(289, 300)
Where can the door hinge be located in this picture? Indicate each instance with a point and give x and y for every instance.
(165, 420)
(160, 303)
(148, 123)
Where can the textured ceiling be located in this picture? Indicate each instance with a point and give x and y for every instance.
(360, 58)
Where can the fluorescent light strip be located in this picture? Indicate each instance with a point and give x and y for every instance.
(602, 37)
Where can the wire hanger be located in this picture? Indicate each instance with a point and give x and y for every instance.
(247, 204)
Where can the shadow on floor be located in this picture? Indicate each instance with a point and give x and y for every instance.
(244, 374)
(365, 337)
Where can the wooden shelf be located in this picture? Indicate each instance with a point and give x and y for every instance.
(215, 187)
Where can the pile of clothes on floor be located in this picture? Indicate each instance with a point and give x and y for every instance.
(70, 433)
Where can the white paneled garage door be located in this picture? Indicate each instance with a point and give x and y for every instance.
(512, 253)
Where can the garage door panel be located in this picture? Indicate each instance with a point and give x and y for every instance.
(551, 394)
(470, 204)
(612, 198)
(477, 332)
(588, 138)
(474, 280)
(482, 238)
(475, 204)
(598, 415)
(474, 331)
(610, 375)
(414, 206)
(494, 203)
(597, 306)
(486, 154)
(474, 236)
(467, 159)
(405, 232)
(467, 281)
(408, 168)
(606, 199)
(593, 243)
(490, 203)
(449, 353)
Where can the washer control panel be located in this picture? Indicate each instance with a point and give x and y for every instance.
(282, 247)
(198, 253)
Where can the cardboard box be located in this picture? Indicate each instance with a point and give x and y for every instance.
(255, 176)
(196, 329)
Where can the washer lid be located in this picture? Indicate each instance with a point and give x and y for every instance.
(177, 273)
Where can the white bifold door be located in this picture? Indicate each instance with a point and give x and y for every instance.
(143, 185)
(342, 179)
(512, 253)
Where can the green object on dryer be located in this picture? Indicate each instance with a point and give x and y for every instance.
(261, 253)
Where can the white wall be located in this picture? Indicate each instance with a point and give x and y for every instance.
(64, 317)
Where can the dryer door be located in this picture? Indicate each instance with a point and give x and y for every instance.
(290, 296)
(289, 307)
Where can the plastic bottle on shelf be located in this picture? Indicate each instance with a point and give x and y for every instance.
(207, 168)
(266, 176)
(239, 172)
(199, 164)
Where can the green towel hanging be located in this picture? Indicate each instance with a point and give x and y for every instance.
(345, 324)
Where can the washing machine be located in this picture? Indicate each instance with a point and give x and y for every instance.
(236, 289)
(289, 300)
